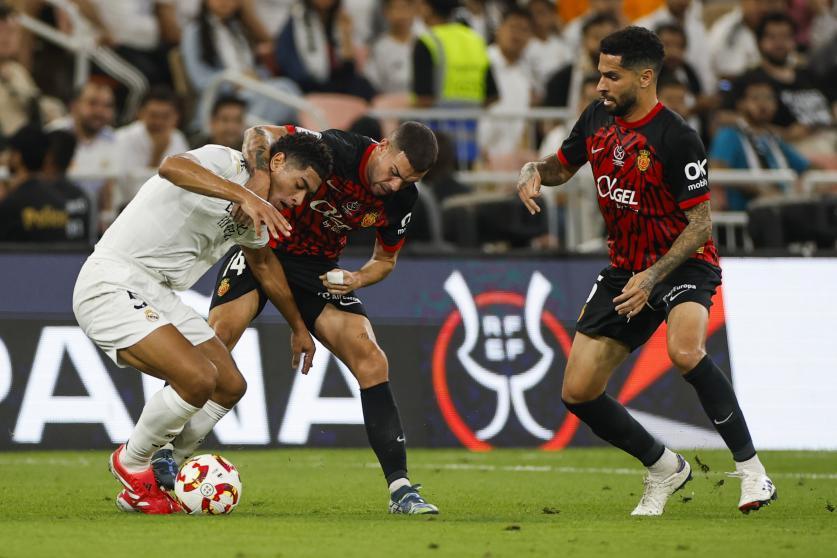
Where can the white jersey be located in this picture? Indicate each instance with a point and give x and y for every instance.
(178, 235)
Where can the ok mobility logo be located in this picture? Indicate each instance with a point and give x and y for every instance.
(510, 359)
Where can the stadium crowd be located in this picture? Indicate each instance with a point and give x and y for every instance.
(756, 78)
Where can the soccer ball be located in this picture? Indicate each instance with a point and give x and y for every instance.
(208, 484)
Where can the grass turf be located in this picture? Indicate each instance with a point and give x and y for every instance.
(509, 503)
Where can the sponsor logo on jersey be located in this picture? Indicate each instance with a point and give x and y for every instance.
(151, 315)
(643, 160)
(695, 170)
(618, 156)
(331, 217)
(224, 287)
(404, 222)
(369, 219)
(606, 187)
(697, 185)
(351, 207)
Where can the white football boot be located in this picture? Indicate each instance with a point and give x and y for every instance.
(657, 492)
(757, 490)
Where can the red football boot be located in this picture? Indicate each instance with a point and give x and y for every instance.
(141, 493)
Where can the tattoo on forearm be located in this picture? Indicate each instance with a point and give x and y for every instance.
(552, 171)
(696, 233)
(256, 149)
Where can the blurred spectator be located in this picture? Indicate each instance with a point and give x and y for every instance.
(816, 22)
(142, 145)
(483, 16)
(676, 95)
(732, 38)
(688, 14)
(226, 125)
(217, 41)
(442, 176)
(803, 113)
(316, 49)
(364, 14)
(451, 69)
(546, 51)
(389, 67)
(273, 14)
(32, 211)
(61, 148)
(556, 136)
(751, 144)
(20, 98)
(564, 87)
(574, 30)
(515, 83)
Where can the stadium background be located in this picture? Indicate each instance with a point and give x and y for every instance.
(521, 283)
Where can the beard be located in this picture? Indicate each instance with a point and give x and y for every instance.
(775, 60)
(621, 107)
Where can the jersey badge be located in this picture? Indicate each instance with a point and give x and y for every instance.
(618, 156)
(643, 160)
(369, 219)
(224, 287)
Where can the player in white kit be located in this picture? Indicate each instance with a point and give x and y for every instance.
(171, 233)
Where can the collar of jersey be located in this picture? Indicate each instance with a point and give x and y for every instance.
(642, 121)
(361, 170)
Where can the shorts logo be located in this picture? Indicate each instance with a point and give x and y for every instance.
(151, 315)
(342, 300)
(677, 291)
(643, 160)
(224, 287)
(506, 346)
(369, 219)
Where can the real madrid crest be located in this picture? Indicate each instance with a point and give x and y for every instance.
(643, 160)
(369, 219)
(151, 315)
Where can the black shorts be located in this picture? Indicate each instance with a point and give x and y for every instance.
(303, 273)
(693, 281)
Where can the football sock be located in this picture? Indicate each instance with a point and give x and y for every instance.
(752, 465)
(611, 422)
(721, 405)
(383, 427)
(665, 466)
(398, 483)
(196, 430)
(162, 419)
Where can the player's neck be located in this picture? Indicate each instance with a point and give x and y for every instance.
(641, 109)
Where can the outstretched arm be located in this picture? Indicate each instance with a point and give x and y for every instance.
(376, 269)
(271, 277)
(638, 288)
(548, 172)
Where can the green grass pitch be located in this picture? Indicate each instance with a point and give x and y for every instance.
(509, 503)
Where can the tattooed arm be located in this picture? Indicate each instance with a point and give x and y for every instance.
(548, 172)
(638, 289)
(257, 141)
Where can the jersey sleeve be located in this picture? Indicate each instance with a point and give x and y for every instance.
(249, 239)
(392, 235)
(686, 168)
(573, 152)
(223, 161)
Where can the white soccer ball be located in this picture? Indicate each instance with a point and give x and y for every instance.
(208, 484)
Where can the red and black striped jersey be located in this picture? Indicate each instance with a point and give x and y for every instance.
(344, 203)
(646, 174)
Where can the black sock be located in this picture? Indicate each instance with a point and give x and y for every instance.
(721, 405)
(383, 426)
(611, 422)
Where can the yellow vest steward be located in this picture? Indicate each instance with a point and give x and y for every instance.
(460, 60)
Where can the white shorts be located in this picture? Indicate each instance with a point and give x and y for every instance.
(118, 304)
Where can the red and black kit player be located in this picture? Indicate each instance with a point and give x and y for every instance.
(372, 185)
(652, 184)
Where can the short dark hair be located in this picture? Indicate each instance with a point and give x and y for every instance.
(746, 81)
(418, 143)
(30, 142)
(672, 28)
(305, 150)
(771, 18)
(162, 94)
(443, 8)
(93, 82)
(598, 19)
(638, 47)
(517, 11)
(62, 146)
(226, 101)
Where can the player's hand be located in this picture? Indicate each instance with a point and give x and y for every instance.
(351, 282)
(261, 213)
(529, 187)
(635, 294)
(302, 348)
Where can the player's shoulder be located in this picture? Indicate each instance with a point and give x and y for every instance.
(344, 143)
(594, 117)
(675, 130)
(406, 197)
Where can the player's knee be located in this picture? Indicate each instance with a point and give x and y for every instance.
(685, 358)
(372, 369)
(231, 390)
(575, 392)
(201, 381)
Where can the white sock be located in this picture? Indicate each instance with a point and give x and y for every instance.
(161, 421)
(196, 430)
(752, 465)
(398, 483)
(665, 466)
